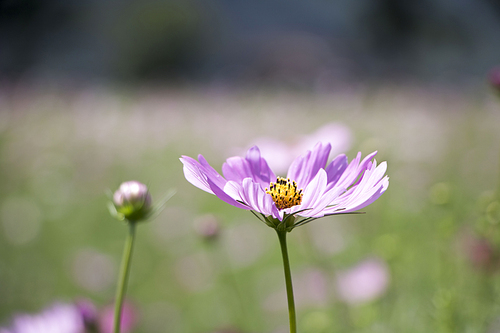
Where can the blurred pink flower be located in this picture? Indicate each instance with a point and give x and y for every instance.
(479, 251)
(338, 135)
(312, 291)
(279, 154)
(207, 227)
(80, 317)
(494, 79)
(364, 282)
(128, 319)
(89, 313)
(58, 318)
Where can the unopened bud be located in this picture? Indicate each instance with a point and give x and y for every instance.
(133, 201)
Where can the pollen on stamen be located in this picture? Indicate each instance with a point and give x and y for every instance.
(285, 193)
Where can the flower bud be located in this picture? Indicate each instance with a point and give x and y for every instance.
(132, 201)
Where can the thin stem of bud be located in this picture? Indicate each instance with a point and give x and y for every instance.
(123, 277)
(288, 281)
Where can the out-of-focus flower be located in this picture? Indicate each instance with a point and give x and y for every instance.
(80, 317)
(132, 201)
(93, 270)
(338, 135)
(312, 291)
(207, 227)
(494, 79)
(59, 318)
(279, 154)
(89, 314)
(128, 318)
(364, 282)
(311, 190)
(480, 252)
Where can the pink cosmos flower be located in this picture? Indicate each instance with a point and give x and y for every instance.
(280, 153)
(364, 282)
(59, 318)
(80, 317)
(494, 78)
(312, 188)
(128, 318)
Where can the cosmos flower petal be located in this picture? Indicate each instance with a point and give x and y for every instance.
(350, 173)
(322, 203)
(326, 201)
(370, 187)
(305, 167)
(252, 166)
(261, 172)
(335, 169)
(376, 192)
(233, 189)
(312, 194)
(354, 169)
(195, 174)
(369, 180)
(253, 195)
(221, 194)
(236, 169)
(211, 173)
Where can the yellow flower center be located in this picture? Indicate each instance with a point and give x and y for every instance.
(284, 193)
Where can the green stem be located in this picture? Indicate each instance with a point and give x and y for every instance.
(288, 281)
(123, 277)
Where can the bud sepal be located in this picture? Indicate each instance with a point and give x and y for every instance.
(132, 202)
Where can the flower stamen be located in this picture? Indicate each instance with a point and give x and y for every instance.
(285, 193)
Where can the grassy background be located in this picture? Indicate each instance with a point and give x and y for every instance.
(61, 152)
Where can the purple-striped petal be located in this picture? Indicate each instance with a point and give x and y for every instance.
(354, 169)
(335, 169)
(253, 196)
(317, 197)
(195, 173)
(260, 169)
(305, 167)
(312, 193)
(252, 166)
(221, 194)
(370, 187)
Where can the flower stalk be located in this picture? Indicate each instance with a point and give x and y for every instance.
(288, 281)
(131, 204)
(124, 274)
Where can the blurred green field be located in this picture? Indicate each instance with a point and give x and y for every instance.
(436, 229)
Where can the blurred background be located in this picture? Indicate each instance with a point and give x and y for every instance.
(99, 92)
(319, 44)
